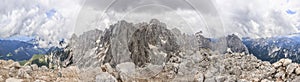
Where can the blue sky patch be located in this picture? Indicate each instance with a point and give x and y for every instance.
(290, 12)
(50, 13)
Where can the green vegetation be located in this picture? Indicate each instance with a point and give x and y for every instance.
(23, 62)
(38, 59)
(9, 54)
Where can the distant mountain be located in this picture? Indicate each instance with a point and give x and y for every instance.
(274, 48)
(18, 50)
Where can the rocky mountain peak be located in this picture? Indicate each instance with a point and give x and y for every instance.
(151, 37)
(236, 44)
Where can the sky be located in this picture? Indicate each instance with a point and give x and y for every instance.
(53, 20)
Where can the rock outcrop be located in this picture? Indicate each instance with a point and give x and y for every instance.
(84, 48)
(230, 43)
(152, 43)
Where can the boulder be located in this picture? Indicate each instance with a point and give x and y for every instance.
(291, 67)
(149, 71)
(1, 79)
(199, 77)
(13, 80)
(107, 68)
(210, 79)
(34, 67)
(285, 62)
(105, 77)
(266, 80)
(297, 79)
(15, 65)
(126, 71)
(277, 64)
(297, 70)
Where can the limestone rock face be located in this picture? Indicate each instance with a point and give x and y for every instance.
(232, 42)
(83, 48)
(152, 41)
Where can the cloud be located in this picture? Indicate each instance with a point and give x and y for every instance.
(48, 20)
(52, 20)
(260, 18)
(187, 15)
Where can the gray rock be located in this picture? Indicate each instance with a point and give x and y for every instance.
(155, 34)
(22, 73)
(121, 34)
(83, 48)
(291, 67)
(149, 71)
(285, 62)
(266, 80)
(15, 65)
(13, 80)
(235, 44)
(107, 68)
(277, 64)
(243, 80)
(199, 77)
(39, 81)
(44, 68)
(279, 74)
(210, 80)
(127, 71)
(105, 77)
(221, 78)
(232, 42)
(297, 79)
(203, 42)
(1, 79)
(297, 70)
(34, 67)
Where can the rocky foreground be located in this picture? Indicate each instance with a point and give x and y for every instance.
(200, 66)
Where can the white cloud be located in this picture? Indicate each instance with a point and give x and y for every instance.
(49, 20)
(187, 19)
(259, 18)
(52, 20)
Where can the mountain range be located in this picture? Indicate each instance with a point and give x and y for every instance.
(274, 48)
(151, 51)
(118, 38)
(18, 50)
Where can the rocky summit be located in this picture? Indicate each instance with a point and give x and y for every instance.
(199, 66)
(150, 52)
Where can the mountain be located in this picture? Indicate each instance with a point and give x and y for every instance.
(83, 49)
(18, 50)
(142, 43)
(274, 48)
(150, 51)
(152, 43)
